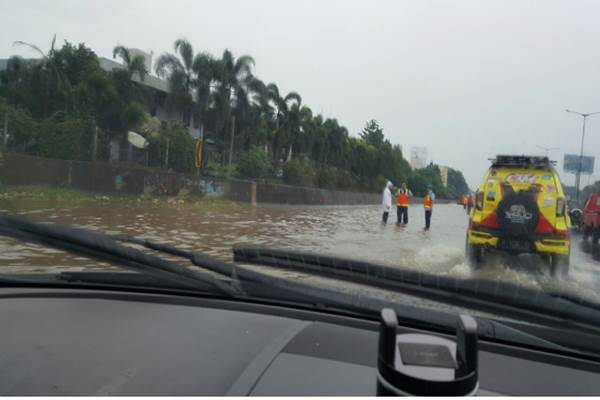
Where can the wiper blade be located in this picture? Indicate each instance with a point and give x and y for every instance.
(103, 248)
(504, 298)
(100, 279)
(269, 286)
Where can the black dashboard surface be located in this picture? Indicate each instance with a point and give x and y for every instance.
(82, 342)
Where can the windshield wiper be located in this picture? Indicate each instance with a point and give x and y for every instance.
(104, 279)
(103, 248)
(244, 282)
(495, 296)
(264, 285)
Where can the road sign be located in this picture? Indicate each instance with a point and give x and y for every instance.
(198, 153)
(571, 164)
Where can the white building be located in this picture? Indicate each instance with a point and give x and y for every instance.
(159, 89)
(418, 157)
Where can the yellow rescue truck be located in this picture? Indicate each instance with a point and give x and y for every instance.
(519, 208)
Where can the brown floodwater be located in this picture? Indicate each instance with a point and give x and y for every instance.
(348, 231)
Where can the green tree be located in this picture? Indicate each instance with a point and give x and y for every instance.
(372, 133)
(421, 179)
(64, 136)
(285, 123)
(178, 68)
(134, 66)
(204, 72)
(457, 184)
(50, 83)
(232, 77)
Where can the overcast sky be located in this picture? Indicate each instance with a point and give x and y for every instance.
(465, 79)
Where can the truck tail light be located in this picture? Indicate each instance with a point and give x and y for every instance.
(479, 200)
(560, 207)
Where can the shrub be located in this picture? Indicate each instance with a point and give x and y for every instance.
(326, 177)
(254, 164)
(298, 172)
(213, 168)
(181, 149)
(68, 137)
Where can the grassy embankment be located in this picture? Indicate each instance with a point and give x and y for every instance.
(72, 196)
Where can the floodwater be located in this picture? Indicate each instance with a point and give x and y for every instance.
(348, 231)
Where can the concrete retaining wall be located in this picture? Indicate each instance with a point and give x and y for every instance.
(106, 178)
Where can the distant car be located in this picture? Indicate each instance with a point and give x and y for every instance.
(520, 208)
(591, 218)
(576, 215)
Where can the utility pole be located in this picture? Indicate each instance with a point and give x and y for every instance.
(578, 176)
(167, 155)
(231, 145)
(95, 143)
(5, 136)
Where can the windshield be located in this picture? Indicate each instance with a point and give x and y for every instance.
(448, 139)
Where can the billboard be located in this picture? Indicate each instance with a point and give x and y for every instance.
(571, 164)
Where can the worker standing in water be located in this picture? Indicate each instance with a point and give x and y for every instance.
(428, 205)
(387, 201)
(402, 200)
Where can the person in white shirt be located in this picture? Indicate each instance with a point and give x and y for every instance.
(387, 201)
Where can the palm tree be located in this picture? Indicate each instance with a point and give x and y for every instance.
(204, 71)
(247, 107)
(49, 71)
(301, 138)
(133, 65)
(233, 77)
(179, 70)
(282, 116)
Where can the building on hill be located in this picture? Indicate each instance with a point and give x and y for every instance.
(418, 157)
(444, 174)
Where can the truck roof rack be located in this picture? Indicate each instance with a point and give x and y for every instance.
(521, 161)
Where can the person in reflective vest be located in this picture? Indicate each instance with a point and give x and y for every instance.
(465, 201)
(402, 201)
(428, 205)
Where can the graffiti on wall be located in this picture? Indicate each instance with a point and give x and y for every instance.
(210, 187)
(172, 184)
(119, 182)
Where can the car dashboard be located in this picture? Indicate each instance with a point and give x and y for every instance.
(102, 342)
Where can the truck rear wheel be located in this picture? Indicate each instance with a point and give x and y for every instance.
(559, 265)
(474, 255)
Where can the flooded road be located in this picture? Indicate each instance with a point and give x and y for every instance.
(348, 231)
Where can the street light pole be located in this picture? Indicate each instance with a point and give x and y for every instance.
(578, 176)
